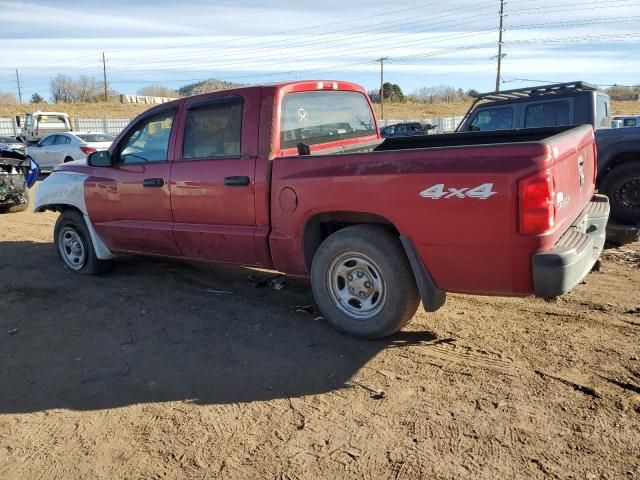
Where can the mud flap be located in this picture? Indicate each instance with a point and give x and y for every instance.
(432, 297)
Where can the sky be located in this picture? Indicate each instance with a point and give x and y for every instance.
(427, 43)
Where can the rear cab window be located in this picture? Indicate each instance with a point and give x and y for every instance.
(326, 116)
(547, 114)
(498, 118)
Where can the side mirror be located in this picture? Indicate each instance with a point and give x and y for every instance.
(18, 121)
(101, 158)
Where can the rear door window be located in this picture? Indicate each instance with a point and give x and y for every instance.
(499, 118)
(214, 130)
(61, 140)
(547, 114)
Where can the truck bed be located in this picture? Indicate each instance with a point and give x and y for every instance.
(472, 138)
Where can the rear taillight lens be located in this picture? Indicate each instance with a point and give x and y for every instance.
(537, 206)
(595, 162)
(87, 150)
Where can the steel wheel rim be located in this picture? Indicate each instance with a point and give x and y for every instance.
(72, 248)
(628, 194)
(356, 285)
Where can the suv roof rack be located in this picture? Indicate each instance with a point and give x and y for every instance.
(542, 90)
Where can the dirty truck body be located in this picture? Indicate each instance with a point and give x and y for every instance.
(295, 177)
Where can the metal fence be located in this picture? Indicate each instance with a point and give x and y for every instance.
(111, 126)
(114, 126)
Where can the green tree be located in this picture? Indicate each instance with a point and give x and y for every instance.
(37, 98)
(392, 92)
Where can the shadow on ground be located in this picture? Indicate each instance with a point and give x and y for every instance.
(155, 330)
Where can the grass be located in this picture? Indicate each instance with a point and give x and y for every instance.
(395, 111)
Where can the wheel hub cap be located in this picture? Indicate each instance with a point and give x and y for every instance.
(356, 285)
(72, 248)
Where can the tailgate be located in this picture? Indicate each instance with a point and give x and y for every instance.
(574, 172)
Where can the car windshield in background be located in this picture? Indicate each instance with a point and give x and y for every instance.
(51, 119)
(95, 137)
(324, 116)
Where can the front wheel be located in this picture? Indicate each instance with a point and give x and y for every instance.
(74, 245)
(622, 186)
(363, 283)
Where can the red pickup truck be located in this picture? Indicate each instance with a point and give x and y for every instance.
(296, 177)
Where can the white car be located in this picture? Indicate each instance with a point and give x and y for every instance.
(59, 148)
(11, 143)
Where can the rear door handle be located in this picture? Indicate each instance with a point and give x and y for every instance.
(237, 181)
(153, 182)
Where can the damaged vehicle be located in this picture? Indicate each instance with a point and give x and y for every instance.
(17, 175)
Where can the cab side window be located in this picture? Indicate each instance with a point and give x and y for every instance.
(61, 140)
(499, 118)
(547, 114)
(148, 141)
(214, 130)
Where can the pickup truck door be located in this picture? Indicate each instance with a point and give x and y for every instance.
(129, 203)
(213, 191)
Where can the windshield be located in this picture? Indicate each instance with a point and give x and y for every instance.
(324, 116)
(95, 137)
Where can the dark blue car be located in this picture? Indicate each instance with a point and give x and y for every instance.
(17, 175)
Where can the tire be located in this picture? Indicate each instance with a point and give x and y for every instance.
(622, 186)
(20, 207)
(371, 261)
(74, 246)
(67, 160)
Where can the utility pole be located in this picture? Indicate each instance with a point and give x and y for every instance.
(19, 88)
(500, 45)
(381, 60)
(104, 72)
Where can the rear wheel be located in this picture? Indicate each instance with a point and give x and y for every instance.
(622, 186)
(74, 245)
(68, 159)
(363, 283)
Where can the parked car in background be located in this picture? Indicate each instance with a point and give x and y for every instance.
(407, 129)
(574, 103)
(627, 120)
(67, 147)
(38, 125)
(17, 175)
(12, 144)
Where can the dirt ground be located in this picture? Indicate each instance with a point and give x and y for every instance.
(164, 369)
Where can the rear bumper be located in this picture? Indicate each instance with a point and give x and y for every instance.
(558, 270)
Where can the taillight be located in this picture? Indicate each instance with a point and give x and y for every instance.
(537, 207)
(87, 150)
(595, 162)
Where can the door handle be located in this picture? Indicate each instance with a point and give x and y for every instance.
(153, 182)
(237, 181)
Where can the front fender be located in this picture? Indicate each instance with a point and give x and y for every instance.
(62, 190)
